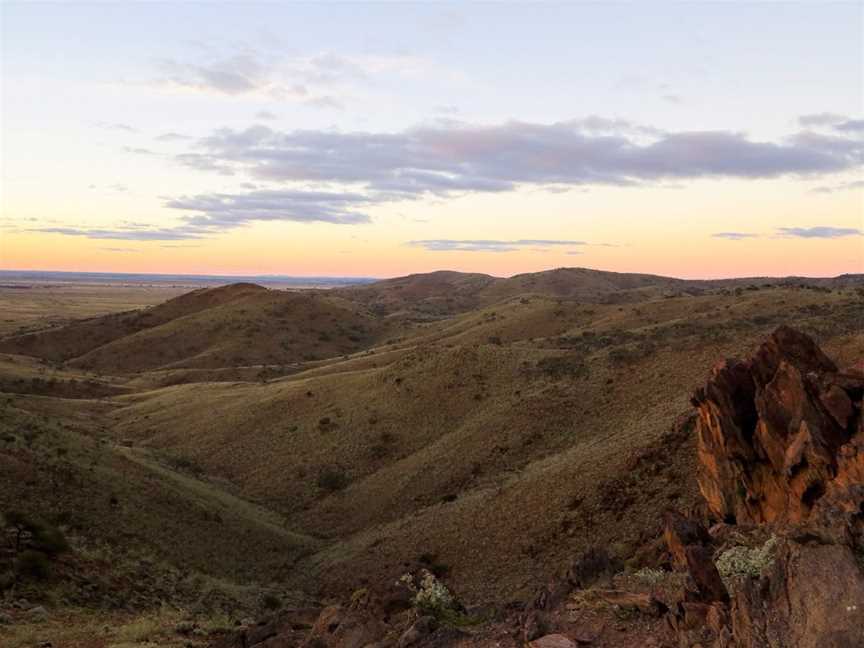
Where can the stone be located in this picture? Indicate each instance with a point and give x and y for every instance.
(553, 641)
(422, 627)
(680, 531)
(38, 613)
(811, 598)
(340, 627)
(771, 428)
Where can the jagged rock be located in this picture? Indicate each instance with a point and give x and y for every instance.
(680, 531)
(689, 544)
(780, 442)
(771, 429)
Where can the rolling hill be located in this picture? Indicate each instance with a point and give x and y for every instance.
(317, 441)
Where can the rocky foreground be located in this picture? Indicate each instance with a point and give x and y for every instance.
(775, 558)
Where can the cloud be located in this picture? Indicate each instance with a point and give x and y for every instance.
(850, 125)
(138, 151)
(819, 232)
(841, 123)
(211, 214)
(119, 249)
(446, 109)
(734, 236)
(487, 245)
(116, 126)
(337, 177)
(443, 159)
(236, 74)
(266, 114)
(311, 79)
(225, 211)
(172, 137)
(845, 186)
(351, 172)
(672, 98)
(820, 119)
(128, 234)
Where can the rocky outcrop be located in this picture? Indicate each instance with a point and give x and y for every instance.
(778, 431)
(781, 453)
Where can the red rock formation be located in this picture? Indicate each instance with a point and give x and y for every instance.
(774, 430)
(780, 441)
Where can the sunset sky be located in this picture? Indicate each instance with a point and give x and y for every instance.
(687, 139)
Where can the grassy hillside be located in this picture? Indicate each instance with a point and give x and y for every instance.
(238, 325)
(480, 429)
(241, 444)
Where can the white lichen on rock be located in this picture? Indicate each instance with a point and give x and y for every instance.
(745, 562)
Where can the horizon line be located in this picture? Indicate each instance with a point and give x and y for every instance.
(368, 278)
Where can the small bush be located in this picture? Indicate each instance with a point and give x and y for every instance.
(431, 596)
(31, 533)
(332, 479)
(271, 602)
(32, 564)
(557, 367)
(378, 451)
(745, 562)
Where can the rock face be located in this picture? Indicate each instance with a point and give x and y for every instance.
(778, 431)
(781, 453)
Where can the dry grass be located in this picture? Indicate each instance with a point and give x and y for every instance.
(501, 440)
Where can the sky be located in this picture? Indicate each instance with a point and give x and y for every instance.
(712, 139)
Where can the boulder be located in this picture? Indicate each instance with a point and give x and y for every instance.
(811, 597)
(340, 627)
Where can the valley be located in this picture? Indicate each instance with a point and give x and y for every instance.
(250, 448)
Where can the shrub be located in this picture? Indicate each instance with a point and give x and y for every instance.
(271, 602)
(557, 367)
(31, 533)
(332, 478)
(745, 562)
(32, 564)
(431, 596)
